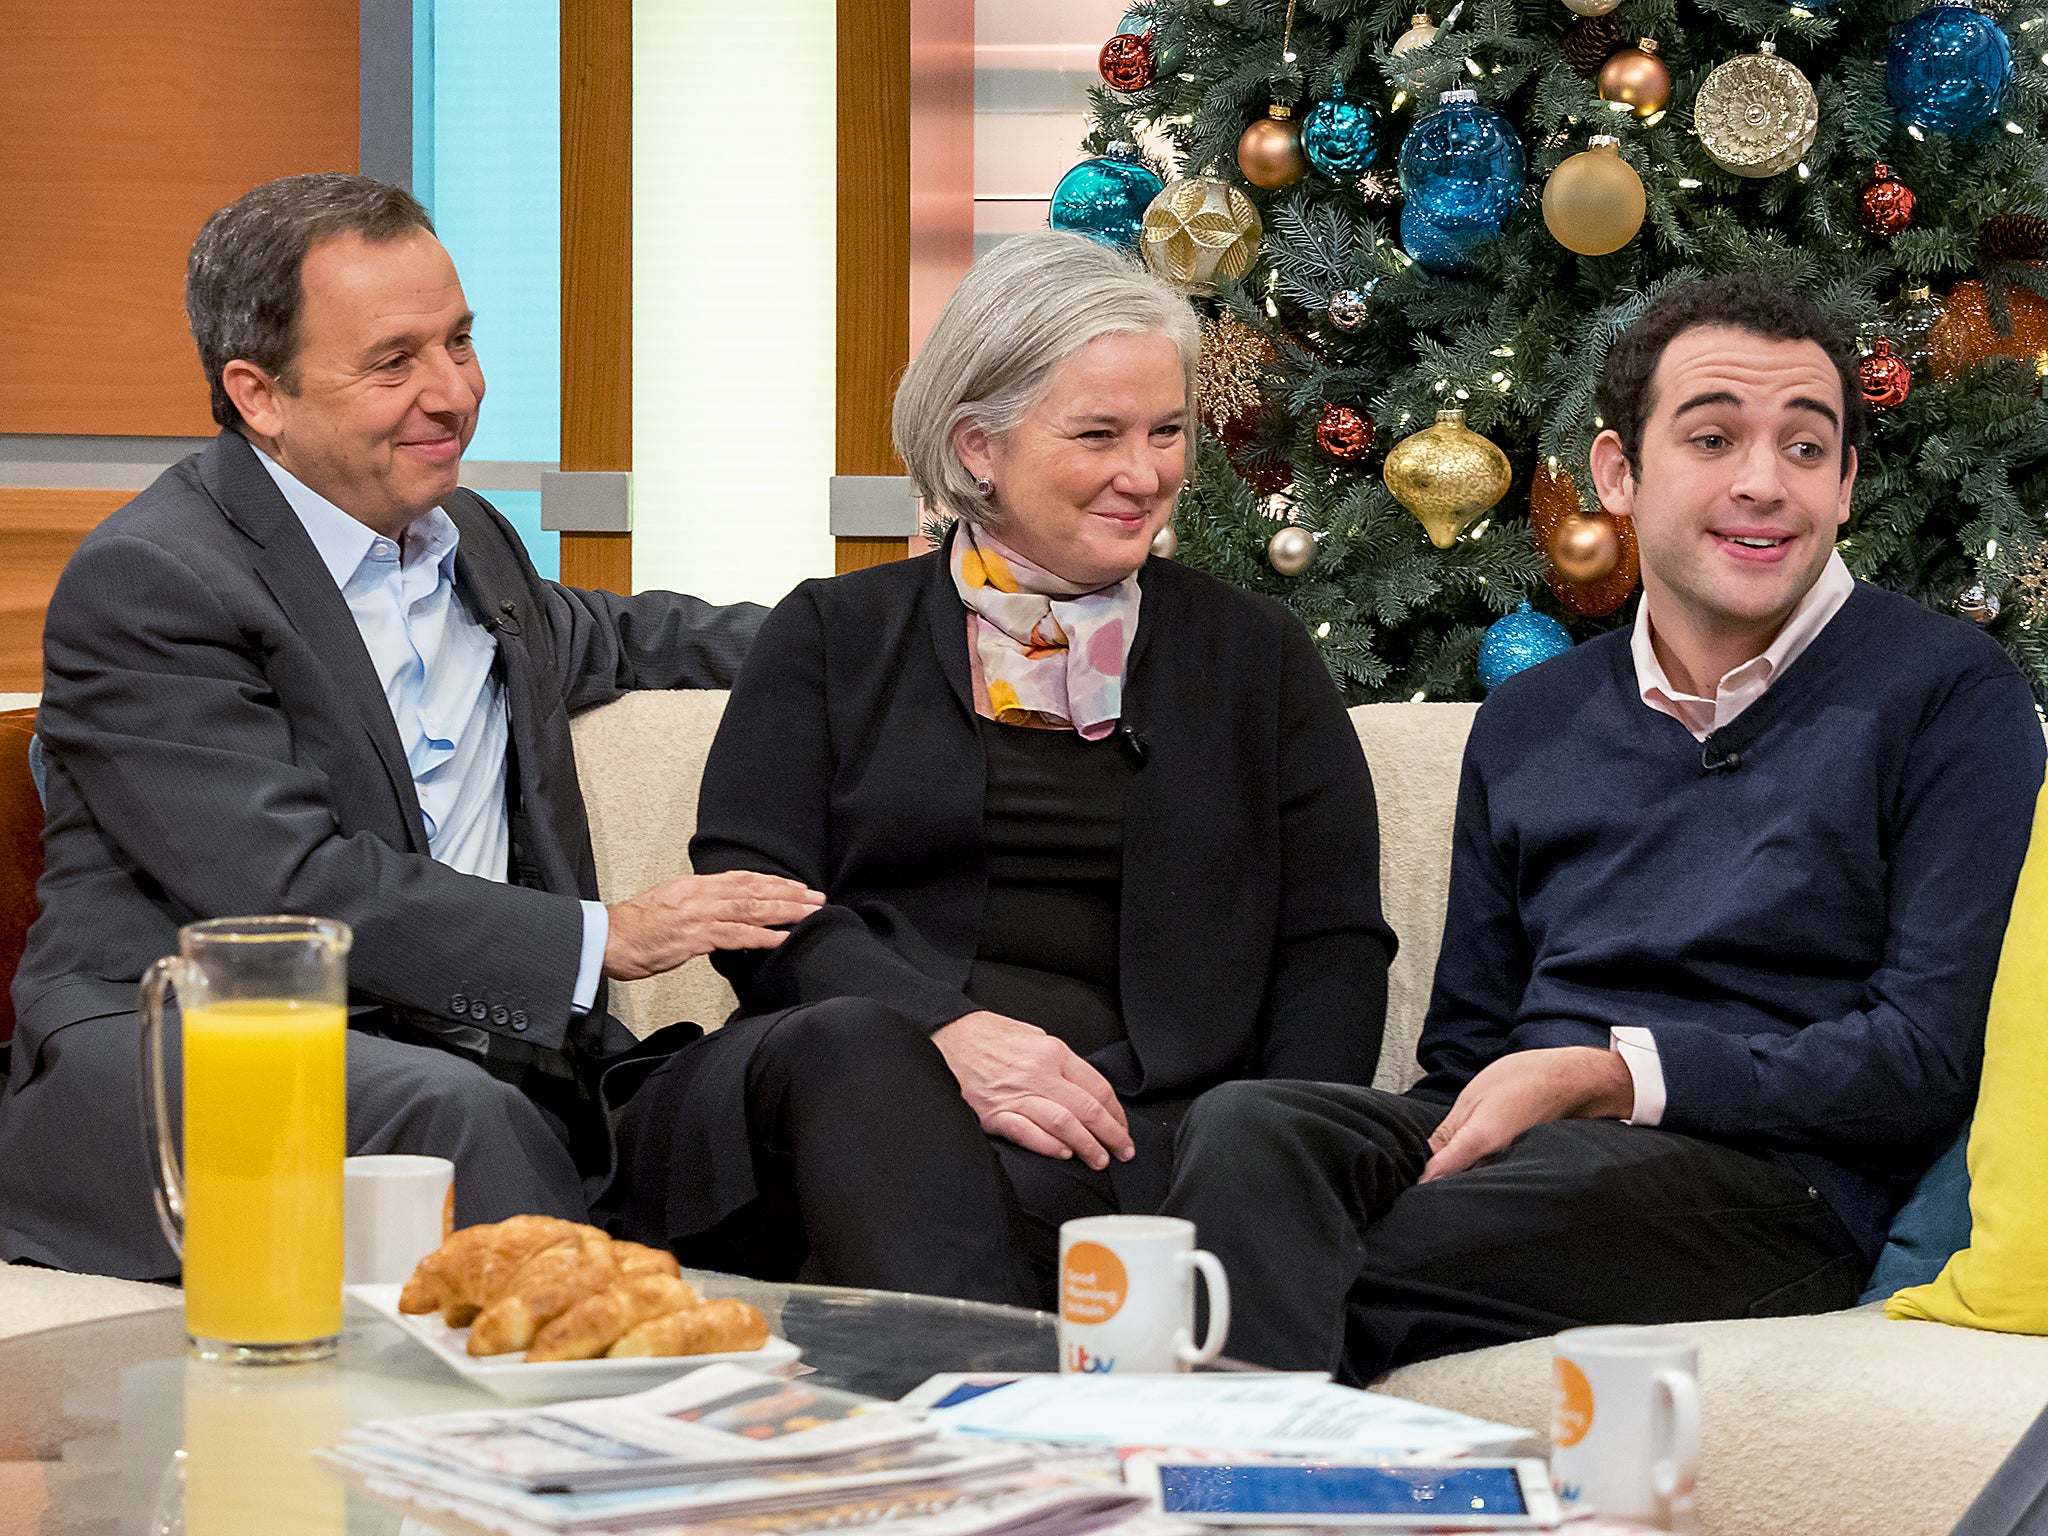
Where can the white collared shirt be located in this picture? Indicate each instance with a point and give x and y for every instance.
(435, 664)
(1739, 688)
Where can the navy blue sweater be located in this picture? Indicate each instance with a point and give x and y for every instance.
(1809, 933)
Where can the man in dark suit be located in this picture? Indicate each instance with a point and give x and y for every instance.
(304, 672)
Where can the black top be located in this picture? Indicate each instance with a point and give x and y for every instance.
(1805, 912)
(1053, 823)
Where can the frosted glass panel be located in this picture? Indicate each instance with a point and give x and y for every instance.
(1034, 61)
(733, 303)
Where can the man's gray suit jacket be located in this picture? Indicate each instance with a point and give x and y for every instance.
(218, 744)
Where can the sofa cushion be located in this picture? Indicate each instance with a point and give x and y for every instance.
(2001, 1279)
(21, 850)
(1842, 1422)
(639, 761)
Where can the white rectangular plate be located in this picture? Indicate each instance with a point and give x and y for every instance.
(510, 1377)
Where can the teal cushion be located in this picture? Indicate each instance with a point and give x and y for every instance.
(1933, 1224)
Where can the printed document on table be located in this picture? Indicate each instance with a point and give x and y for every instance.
(1277, 1414)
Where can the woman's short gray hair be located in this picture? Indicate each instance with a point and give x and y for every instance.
(1022, 310)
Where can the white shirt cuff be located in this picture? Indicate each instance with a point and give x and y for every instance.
(1638, 1049)
(597, 927)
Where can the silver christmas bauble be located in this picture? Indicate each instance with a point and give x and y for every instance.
(1292, 550)
(1349, 309)
(1977, 603)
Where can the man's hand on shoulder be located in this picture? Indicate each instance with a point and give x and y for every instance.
(692, 915)
(1525, 1089)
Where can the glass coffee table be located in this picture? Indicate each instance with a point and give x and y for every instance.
(114, 1431)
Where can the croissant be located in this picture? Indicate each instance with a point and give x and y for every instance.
(542, 1289)
(597, 1322)
(711, 1328)
(468, 1271)
(638, 1258)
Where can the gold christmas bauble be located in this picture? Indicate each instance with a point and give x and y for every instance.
(1199, 229)
(1585, 548)
(1166, 543)
(1593, 203)
(1553, 498)
(1637, 77)
(1420, 34)
(1446, 476)
(1590, 7)
(1269, 152)
(1756, 115)
(1292, 550)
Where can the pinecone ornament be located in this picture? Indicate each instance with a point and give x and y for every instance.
(1589, 43)
(2014, 237)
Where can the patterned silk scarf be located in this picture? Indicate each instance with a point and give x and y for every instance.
(1051, 652)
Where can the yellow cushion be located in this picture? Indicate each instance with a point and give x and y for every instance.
(2001, 1280)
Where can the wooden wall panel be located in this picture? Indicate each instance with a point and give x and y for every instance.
(873, 246)
(123, 127)
(597, 269)
(38, 532)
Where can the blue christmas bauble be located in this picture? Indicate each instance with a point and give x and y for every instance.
(1105, 199)
(1441, 250)
(1338, 136)
(1463, 166)
(1949, 68)
(1517, 641)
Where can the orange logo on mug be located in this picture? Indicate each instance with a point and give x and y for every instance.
(1571, 1403)
(1092, 1284)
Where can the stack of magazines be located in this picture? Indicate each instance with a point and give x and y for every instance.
(724, 1449)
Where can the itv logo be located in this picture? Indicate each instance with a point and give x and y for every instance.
(1078, 1359)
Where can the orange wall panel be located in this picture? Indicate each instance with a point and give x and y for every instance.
(124, 126)
(38, 532)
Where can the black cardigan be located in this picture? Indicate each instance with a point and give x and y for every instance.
(1252, 939)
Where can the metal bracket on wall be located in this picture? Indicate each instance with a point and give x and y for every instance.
(586, 501)
(873, 507)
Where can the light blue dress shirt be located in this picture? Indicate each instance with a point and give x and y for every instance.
(433, 661)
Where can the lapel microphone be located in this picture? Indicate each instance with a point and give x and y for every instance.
(1727, 762)
(1135, 747)
(506, 621)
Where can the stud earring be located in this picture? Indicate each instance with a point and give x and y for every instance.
(986, 486)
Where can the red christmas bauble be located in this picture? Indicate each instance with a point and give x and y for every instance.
(1126, 61)
(1886, 378)
(1344, 434)
(1885, 205)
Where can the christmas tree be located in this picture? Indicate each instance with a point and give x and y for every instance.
(1385, 216)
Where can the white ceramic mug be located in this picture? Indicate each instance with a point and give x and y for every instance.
(1625, 1423)
(396, 1209)
(1127, 1295)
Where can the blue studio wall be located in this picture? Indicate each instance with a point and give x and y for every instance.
(487, 163)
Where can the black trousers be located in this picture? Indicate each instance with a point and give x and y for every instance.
(1339, 1260)
(871, 1170)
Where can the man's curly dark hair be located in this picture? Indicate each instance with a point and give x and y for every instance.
(1742, 301)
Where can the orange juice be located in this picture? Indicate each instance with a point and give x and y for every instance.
(265, 1133)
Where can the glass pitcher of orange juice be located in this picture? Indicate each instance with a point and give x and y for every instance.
(255, 1210)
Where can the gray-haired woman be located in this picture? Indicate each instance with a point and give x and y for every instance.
(1094, 832)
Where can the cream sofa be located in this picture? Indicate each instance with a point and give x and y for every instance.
(1841, 1423)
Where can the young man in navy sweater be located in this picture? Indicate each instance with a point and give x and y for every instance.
(1727, 894)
